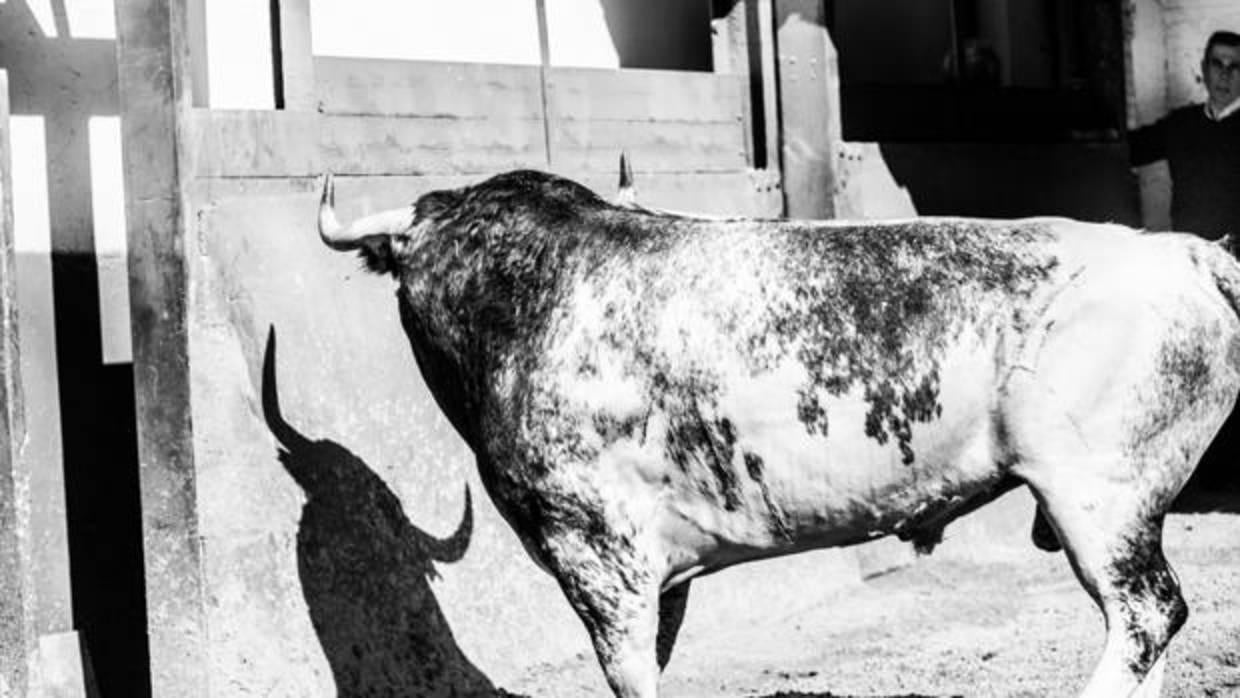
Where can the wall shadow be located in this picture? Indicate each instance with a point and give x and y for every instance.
(660, 34)
(1086, 181)
(1215, 484)
(365, 571)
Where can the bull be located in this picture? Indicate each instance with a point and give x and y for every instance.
(653, 397)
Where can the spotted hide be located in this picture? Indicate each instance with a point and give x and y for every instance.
(653, 397)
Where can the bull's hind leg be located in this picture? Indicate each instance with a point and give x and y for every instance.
(1105, 420)
(1115, 548)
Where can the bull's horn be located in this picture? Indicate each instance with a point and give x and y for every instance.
(453, 548)
(626, 194)
(339, 237)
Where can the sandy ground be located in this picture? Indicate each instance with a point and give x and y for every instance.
(949, 626)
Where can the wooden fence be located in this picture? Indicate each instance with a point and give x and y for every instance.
(688, 134)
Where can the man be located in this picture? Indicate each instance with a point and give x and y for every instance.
(1201, 144)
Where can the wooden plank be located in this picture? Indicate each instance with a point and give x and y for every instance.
(295, 67)
(355, 195)
(763, 35)
(645, 95)
(377, 145)
(154, 78)
(670, 146)
(200, 83)
(743, 193)
(809, 107)
(427, 88)
(253, 143)
(753, 193)
(731, 54)
(299, 144)
(748, 192)
(16, 616)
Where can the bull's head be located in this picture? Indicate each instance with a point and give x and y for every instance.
(372, 235)
(364, 232)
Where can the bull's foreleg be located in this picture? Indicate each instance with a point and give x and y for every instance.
(617, 598)
(672, 605)
(1116, 552)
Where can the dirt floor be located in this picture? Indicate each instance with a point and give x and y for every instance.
(950, 626)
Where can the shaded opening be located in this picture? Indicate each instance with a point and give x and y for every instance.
(973, 71)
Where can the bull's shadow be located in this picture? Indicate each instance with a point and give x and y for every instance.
(365, 571)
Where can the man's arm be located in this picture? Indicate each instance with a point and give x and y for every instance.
(1148, 144)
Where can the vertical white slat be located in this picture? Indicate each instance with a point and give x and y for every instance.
(111, 248)
(40, 379)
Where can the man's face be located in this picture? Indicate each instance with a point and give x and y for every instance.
(1221, 68)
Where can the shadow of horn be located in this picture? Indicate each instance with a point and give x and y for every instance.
(288, 437)
(452, 548)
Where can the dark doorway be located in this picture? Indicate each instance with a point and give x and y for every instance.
(1001, 108)
(967, 70)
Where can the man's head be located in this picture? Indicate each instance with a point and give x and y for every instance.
(1220, 68)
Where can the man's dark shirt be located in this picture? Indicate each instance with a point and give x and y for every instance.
(1204, 159)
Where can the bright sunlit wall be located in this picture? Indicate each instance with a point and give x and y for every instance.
(239, 67)
(87, 19)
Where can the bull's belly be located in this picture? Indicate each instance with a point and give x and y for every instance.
(775, 486)
(813, 493)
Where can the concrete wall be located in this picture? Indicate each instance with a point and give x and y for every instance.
(17, 638)
(865, 187)
(316, 576)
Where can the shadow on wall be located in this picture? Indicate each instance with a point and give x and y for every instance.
(1086, 181)
(682, 40)
(365, 572)
(1215, 484)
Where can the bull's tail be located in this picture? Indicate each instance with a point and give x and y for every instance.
(1216, 260)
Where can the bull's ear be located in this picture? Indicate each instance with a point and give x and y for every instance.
(626, 194)
(370, 232)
